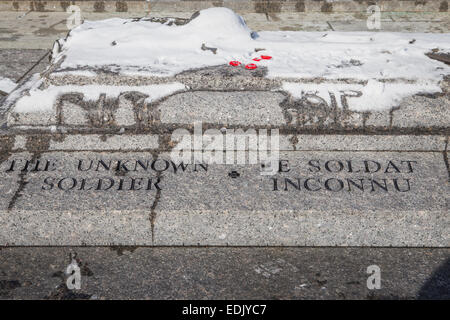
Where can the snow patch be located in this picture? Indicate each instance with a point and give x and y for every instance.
(150, 48)
(7, 85)
(33, 82)
(373, 96)
(81, 73)
(43, 100)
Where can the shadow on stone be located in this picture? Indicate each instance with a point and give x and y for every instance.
(438, 286)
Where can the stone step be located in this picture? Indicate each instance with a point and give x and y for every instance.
(229, 106)
(78, 94)
(39, 30)
(225, 156)
(223, 96)
(241, 6)
(338, 190)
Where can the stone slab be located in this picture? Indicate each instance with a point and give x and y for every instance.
(236, 109)
(74, 228)
(82, 218)
(261, 6)
(105, 142)
(225, 273)
(247, 211)
(233, 107)
(424, 112)
(46, 118)
(224, 205)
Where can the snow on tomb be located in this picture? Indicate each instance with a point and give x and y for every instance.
(135, 73)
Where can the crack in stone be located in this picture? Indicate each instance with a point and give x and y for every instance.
(447, 164)
(162, 129)
(164, 141)
(120, 250)
(391, 116)
(36, 144)
(7, 143)
(153, 208)
(294, 141)
(22, 184)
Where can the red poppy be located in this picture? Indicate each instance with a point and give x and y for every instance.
(251, 66)
(266, 57)
(235, 63)
(256, 59)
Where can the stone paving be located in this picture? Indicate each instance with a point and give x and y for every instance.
(242, 6)
(38, 30)
(323, 193)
